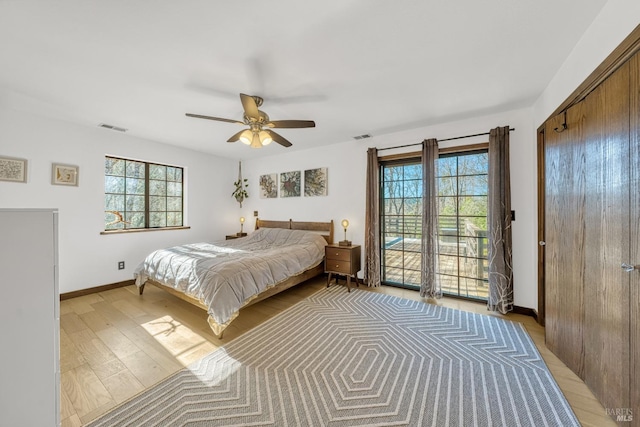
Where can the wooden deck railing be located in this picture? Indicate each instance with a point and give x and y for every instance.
(475, 239)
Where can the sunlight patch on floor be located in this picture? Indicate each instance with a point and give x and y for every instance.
(222, 372)
(179, 340)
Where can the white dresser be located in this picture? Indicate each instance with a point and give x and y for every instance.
(29, 318)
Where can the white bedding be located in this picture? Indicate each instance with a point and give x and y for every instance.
(225, 275)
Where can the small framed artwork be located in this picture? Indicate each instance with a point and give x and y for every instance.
(12, 169)
(290, 184)
(64, 174)
(269, 186)
(315, 182)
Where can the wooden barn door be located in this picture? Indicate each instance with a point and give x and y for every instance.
(606, 223)
(565, 180)
(592, 208)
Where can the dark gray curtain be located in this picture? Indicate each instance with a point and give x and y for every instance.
(499, 223)
(430, 283)
(372, 221)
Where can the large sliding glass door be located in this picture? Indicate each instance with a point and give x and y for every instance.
(462, 236)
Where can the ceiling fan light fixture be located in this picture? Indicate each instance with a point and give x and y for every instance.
(246, 137)
(265, 138)
(257, 136)
(255, 142)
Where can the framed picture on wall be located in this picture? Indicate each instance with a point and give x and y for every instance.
(12, 169)
(64, 174)
(315, 182)
(290, 184)
(269, 186)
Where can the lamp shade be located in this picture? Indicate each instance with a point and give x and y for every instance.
(241, 220)
(345, 223)
(246, 137)
(265, 138)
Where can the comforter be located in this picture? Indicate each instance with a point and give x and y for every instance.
(226, 275)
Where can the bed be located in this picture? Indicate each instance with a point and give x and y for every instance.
(223, 277)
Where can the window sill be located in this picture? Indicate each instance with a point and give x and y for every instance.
(141, 230)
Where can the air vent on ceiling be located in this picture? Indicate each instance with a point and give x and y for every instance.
(359, 137)
(111, 127)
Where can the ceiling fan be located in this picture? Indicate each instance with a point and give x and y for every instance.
(259, 132)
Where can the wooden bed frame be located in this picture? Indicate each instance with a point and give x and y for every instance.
(323, 228)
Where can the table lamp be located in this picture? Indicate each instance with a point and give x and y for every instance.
(241, 226)
(345, 242)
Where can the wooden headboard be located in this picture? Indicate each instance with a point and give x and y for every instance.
(323, 228)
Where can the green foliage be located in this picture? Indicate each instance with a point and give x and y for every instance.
(240, 191)
(461, 185)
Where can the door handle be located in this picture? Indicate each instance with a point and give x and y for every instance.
(628, 267)
(542, 243)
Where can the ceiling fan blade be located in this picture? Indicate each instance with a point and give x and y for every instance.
(292, 124)
(236, 136)
(250, 106)
(218, 119)
(278, 138)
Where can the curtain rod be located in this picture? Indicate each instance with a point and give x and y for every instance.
(440, 140)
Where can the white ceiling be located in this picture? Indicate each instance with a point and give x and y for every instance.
(353, 66)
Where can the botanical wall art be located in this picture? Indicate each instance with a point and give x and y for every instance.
(269, 186)
(64, 174)
(12, 169)
(290, 184)
(315, 182)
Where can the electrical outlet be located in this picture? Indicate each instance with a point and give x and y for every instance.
(255, 213)
(120, 265)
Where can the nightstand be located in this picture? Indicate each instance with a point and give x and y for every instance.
(342, 260)
(234, 236)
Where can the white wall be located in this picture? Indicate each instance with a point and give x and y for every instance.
(347, 178)
(613, 24)
(88, 259)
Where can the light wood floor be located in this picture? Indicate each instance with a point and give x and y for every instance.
(115, 344)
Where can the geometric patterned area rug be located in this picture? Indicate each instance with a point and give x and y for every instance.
(361, 359)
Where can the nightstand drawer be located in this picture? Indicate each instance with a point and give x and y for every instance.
(338, 254)
(337, 266)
